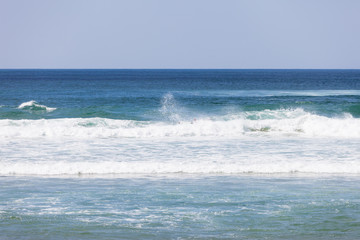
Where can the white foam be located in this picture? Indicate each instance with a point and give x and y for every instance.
(153, 167)
(265, 123)
(33, 105)
(263, 152)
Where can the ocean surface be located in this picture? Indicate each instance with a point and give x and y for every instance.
(179, 154)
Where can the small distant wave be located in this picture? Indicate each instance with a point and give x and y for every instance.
(34, 106)
(268, 123)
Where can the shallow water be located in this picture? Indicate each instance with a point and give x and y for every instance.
(181, 206)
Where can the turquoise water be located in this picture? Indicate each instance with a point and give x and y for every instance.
(185, 207)
(179, 154)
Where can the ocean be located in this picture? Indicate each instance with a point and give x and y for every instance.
(179, 154)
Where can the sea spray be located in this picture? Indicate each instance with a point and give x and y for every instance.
(170, 110)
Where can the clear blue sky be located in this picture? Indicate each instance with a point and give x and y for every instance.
(180, 34)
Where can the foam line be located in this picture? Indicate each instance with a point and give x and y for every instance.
(142, 167)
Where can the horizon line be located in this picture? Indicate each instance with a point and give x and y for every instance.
(179, 68)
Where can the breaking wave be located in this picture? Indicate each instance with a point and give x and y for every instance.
(34, 106)
(295, 122)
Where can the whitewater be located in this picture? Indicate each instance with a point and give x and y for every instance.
(266, 123)
(262, 142)
(158, 124)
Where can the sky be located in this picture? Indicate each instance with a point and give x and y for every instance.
(236, 34)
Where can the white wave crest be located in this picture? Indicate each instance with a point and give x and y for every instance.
(265, 123)
(34, 106)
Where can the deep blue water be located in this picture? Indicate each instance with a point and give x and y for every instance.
(137, 94)
(179, 154)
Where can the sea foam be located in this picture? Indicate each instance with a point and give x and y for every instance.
(263, 123)
(153, 167)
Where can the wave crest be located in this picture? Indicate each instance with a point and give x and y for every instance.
(264, 123)
(34, 106)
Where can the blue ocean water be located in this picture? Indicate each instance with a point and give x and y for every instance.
(199, 154)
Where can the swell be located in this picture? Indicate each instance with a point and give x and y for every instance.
(187, 105)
